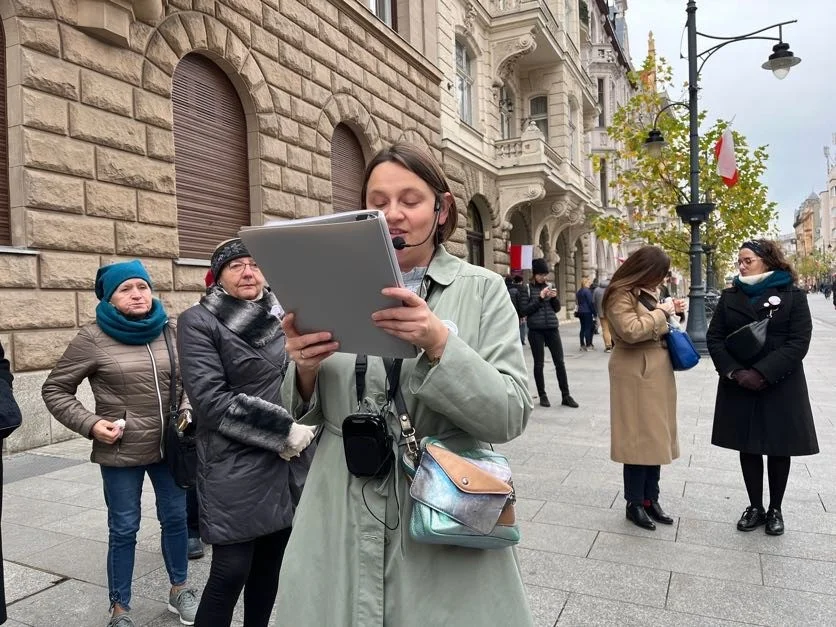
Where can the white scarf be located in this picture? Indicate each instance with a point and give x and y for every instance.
(755, 278)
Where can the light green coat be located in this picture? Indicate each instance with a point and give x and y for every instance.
(343, 568)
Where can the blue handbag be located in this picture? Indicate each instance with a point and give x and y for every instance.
(684, 355)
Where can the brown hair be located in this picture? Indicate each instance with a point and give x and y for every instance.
(772, 255)
(646, 267)
(424, 166)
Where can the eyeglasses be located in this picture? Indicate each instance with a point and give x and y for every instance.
(747, 261)
(238, 266)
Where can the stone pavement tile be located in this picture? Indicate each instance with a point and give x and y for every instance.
(546, 604)
(678, 557)
(91, 498)
(614, 478)
(92, 525)
(799, 574)
(156, 584)
(613, 581)
(22, 581)
(85, 560)
(75, 448)
(13, 623)
(816, 546)
(526, 446)
(797, 500)
(582, 609)
(34, 512)
(612, 520)
(43, 488)
(20, 541)
(749, 603)
(527, 509)
(77, 604)
(88, 473)
(556, 538)
(542, 486)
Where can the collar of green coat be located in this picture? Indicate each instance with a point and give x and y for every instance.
(444, 267)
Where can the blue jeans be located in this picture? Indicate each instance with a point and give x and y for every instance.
(123, 492)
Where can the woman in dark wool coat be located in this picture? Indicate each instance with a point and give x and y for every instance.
(763, 407)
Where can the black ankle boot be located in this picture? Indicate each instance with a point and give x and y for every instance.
(544, 400)
(638, 516)
(774, 522)
(655, 511)
(568, 401)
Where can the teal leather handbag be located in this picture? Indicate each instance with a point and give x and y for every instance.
(463, 498)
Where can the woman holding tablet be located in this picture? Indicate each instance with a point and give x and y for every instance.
(351, 543)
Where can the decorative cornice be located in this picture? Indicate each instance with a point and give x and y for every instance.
(507, 52)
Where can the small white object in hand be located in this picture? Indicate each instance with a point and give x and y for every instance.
(121, 424)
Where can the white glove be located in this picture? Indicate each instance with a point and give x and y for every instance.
(298, 439)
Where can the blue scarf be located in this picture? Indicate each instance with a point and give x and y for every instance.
(779, 278)
(129, 330)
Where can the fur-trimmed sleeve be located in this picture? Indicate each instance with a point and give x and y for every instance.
(256, 422)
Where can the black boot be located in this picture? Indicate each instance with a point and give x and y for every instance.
(544, 400)
(569, 401)
(774, 522)
(639, 517)
(655, 511)
(752, 518)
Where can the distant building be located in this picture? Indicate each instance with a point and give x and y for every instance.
(787, 242)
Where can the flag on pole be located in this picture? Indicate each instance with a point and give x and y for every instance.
(521, 256)
(726, 161)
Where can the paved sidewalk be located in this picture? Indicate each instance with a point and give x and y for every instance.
(583, 563)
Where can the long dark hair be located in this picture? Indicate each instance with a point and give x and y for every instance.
(424, 166)
(646, 267)
(772, 255)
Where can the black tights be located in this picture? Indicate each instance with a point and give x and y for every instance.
(778, 470)
(253, 566)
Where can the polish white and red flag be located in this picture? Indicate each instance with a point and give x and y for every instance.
(521, 256)
(726, 161)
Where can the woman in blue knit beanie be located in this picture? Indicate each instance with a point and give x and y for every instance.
(127, 355)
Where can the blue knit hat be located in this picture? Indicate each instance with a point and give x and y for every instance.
(108, 278)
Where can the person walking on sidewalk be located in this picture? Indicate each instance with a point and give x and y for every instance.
(643, 430)
(538, 305)
(127, 354)
(762, 406)
(586, 314)
(598, 297)
(232, 353)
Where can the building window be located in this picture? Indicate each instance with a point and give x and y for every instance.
(384, 10)
(506, 112)
(602, 104)
(475, 236)
(347, 168)
(605, 201)
(573, 135)
(464, 83)
(539, 112)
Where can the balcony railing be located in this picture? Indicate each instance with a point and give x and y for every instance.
(525, 151)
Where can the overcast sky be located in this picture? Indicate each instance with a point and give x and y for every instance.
(796, 117)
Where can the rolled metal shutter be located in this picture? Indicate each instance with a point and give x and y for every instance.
(347, 168)
(210, 142)
(5, 210)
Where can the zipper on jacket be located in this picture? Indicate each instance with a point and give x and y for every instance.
(159, 396)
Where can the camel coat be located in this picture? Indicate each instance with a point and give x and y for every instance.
(642, 384)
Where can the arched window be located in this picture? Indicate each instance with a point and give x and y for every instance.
(347, 168)
(464, 82)
(5, 210)
(506, 112)
(475, 236)
(210, 143)
(539, 113)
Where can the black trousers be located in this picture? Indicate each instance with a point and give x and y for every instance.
(252, 566)
(587, 328)
(538, 339)
(641, 483)
(191, 513)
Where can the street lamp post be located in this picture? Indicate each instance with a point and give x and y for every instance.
(695, 212)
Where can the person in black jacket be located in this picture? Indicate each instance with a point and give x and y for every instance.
(538, 304)
(763, 407)
(232, 358)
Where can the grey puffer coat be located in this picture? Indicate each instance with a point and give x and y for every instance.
(128, 381)
(245, 490)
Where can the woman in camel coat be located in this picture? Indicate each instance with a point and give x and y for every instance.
(642, 385)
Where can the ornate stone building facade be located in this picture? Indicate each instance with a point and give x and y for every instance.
(519, 114)
(140, 129)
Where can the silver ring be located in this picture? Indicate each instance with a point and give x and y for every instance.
(302, 354)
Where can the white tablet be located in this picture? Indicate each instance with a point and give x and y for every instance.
(329, 271)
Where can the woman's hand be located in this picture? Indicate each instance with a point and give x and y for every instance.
(546, 293)
(308, 351)
(680, 305)
(668, 307)
(413, 322)
(106, 432)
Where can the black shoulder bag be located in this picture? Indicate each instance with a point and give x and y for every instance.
(179, 435)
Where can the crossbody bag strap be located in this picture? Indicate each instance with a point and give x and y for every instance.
(644, 299)
(172, 389)
(361, 364)
(395, 394)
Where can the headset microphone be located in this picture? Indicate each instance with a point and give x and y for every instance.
(399, 243)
